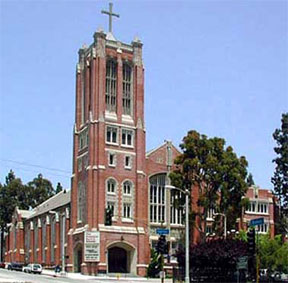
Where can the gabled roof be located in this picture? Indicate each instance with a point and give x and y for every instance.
(61, 199)
(164, 144)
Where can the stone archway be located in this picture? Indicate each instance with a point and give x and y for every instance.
(121, 258)
(78, 257)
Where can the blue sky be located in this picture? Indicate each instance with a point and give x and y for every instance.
(219, 67)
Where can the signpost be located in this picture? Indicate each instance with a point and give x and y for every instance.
(257, 221)
(242, 264)
(92, 246)
(162, 231)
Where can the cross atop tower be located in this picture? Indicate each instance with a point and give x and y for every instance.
(111, 14)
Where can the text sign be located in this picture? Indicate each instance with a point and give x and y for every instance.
(242, 262)
(257, 221)
(92, 246)
(162, 231)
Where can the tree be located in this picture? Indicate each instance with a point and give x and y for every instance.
(215, 260)
(216, 173)
(15, 194)
(273, 253)
(41, 190)
(12, 194)
(250, 181)
(59, 188)
(280, 178)
(154, 267)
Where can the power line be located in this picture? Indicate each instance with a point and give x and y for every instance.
(34, 165)
(31, 170)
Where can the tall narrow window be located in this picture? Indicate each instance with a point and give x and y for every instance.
(111, 85)
(157, 198)
(127, 89)
(127, 201)
(81, 202)
(83, 100)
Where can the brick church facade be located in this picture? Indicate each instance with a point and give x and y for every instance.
(111, 169)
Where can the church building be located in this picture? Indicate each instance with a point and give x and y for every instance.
(111, 169)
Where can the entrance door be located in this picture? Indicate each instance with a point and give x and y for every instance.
(78, 259)
(117, 260)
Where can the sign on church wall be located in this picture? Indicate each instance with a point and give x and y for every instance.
(92, 246)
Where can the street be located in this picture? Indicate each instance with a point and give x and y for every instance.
(21, 277)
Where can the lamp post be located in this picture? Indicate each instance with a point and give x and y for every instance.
(186, 192)
(225, 223)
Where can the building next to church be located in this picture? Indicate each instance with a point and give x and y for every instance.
(111, 169)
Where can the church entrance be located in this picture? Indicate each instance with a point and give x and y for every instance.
(122, 258)
(78, 259)
(117, 260)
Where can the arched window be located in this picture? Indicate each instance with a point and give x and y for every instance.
(111, 185)
(111, 85)
(127, 89)
(157, 198)
(127, 186)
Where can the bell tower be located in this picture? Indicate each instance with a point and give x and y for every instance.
(109, 159)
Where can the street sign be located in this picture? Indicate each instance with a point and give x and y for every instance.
(242, 262)
(257, 221)
(92, 246)
(162, 231)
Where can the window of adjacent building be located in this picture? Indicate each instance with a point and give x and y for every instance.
(209, 229)
(128, 162)
(127, 89)
(43, 224)
(177, 207)
(53, 237)
(259, 207)
(127, 137)
(210, 213)
(112, 159)
(263, 228)
(111, 134)
(127, 207)
(111, 186)
(157, 198)
(111, 85)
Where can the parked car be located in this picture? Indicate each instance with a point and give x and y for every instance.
(280, 277)
(15, 266)
(33, 268)
(2, 265)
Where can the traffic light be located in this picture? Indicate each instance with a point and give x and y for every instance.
(161, 246)
(108, 216)
(251, 242)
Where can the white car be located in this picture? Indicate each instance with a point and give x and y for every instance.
(33, 268)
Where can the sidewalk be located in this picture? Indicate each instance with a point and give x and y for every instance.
(101, 277)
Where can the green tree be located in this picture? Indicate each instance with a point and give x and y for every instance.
(280, 178)
(13, 193)
(59, 188)
(273, 253)
(216, 172)
(250, 181)
(40, 189)
(155, 264)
